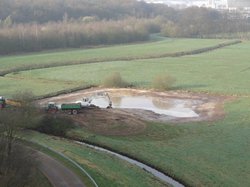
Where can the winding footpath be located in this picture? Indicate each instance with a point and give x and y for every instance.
(57, 173)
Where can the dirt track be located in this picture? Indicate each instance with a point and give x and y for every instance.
(133, 121)
(58, 174)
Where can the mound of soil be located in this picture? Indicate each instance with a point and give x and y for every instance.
(109, 122)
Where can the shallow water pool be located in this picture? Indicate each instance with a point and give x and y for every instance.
(181, 108)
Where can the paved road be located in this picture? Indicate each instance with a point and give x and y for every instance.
(57, 174)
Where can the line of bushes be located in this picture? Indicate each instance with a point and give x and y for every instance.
(206, 49)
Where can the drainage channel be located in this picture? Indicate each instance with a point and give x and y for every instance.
(149, 169)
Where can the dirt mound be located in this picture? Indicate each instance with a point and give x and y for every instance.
(109, 122)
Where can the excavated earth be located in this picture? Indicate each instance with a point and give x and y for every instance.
(131, 121)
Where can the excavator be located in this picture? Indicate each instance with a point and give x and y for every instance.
(87, 101)
(75, 107)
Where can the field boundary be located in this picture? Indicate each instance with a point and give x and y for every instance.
(70, 63)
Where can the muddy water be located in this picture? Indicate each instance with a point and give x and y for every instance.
(149, 169)
(171, 107)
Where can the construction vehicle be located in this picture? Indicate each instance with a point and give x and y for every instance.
(52, 107)
(8, 102)
(2, 102)
(87, 101)
(73, 108)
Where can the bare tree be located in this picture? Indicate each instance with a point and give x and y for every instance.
(15, 161)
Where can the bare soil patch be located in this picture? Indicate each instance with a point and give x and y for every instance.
(110, 122)
(122, 122)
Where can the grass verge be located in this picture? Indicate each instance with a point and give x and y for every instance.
(62, 160)
(105, 169)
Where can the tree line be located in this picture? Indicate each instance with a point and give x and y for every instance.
(69, 34)
(44, 24)
(42, 11)
(202, 22)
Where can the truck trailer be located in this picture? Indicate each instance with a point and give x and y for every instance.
(74, 108)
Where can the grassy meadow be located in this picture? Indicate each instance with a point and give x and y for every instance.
(12, 85)
(140, 50)
(106, 170)
(223, 71)
(199, 154)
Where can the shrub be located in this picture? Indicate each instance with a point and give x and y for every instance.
(163, 82)
(57, 126)
(115, 80)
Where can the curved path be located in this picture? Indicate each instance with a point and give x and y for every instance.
(57, 173)
(163, 177)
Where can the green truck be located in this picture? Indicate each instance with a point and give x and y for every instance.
(74, 108)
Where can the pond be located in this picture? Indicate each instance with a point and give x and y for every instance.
(181, 108)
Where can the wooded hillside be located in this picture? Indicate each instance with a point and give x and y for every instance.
(34, 25)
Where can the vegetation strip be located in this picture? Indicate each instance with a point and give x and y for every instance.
(62, 156)
(172, 179)
(76, 164)
(149, 169)
(175, 54)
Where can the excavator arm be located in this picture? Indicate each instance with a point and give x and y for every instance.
(87, 101)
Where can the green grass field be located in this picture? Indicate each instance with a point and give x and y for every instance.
(140, 50)
(225, 71)
(51, 80)
(105, 169)
(200, 154)
(12, 85)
